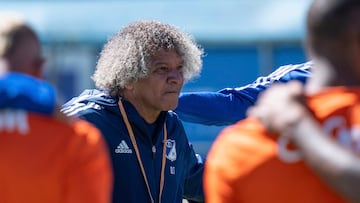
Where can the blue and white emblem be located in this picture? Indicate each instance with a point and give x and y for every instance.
(171, 150)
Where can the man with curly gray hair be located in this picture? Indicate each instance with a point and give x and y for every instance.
(139, 76)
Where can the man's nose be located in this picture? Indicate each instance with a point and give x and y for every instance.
(175, 76)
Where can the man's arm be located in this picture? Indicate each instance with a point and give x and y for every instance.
(212, 108)
(193, 185)
(229, 105)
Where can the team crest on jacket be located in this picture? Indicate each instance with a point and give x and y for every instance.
(171, 150)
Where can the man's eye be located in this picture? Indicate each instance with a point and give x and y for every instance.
(180, 68)
(161, 69)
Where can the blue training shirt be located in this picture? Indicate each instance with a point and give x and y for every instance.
(229, 105)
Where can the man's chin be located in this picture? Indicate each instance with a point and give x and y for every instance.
(171, 106)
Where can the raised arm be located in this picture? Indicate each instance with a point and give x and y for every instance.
(230, 104)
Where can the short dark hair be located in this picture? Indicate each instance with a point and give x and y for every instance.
(329, 23)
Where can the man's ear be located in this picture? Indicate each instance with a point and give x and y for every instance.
(38, 67)
(358, 40)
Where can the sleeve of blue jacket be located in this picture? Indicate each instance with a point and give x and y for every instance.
(229, 105)
(193, 186)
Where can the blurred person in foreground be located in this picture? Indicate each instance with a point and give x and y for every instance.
(21, 53)
(44, 157)
(139, 76)
(249, 163)
(337, 163)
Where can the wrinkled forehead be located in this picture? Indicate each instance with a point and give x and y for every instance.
(163, 54)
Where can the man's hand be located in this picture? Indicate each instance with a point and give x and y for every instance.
(280, 107)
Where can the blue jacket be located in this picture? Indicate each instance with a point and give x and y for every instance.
(22, 91)
(229, 105)
(183, 170)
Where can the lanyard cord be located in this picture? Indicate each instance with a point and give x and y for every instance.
(137, 152)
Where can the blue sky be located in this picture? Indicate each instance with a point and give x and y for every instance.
(240, 20)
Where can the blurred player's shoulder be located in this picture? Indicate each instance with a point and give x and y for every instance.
(81, 127)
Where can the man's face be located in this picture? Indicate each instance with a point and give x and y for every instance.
(159, 91)
(28, 57)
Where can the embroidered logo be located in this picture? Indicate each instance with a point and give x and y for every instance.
(172, 170)
(123, 148)
(171, 150)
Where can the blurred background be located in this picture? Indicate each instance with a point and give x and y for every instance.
(242, 39)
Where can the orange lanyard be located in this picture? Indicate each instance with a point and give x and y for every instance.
(137, 152)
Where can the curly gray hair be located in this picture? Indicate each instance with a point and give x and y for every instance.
(126, 56)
